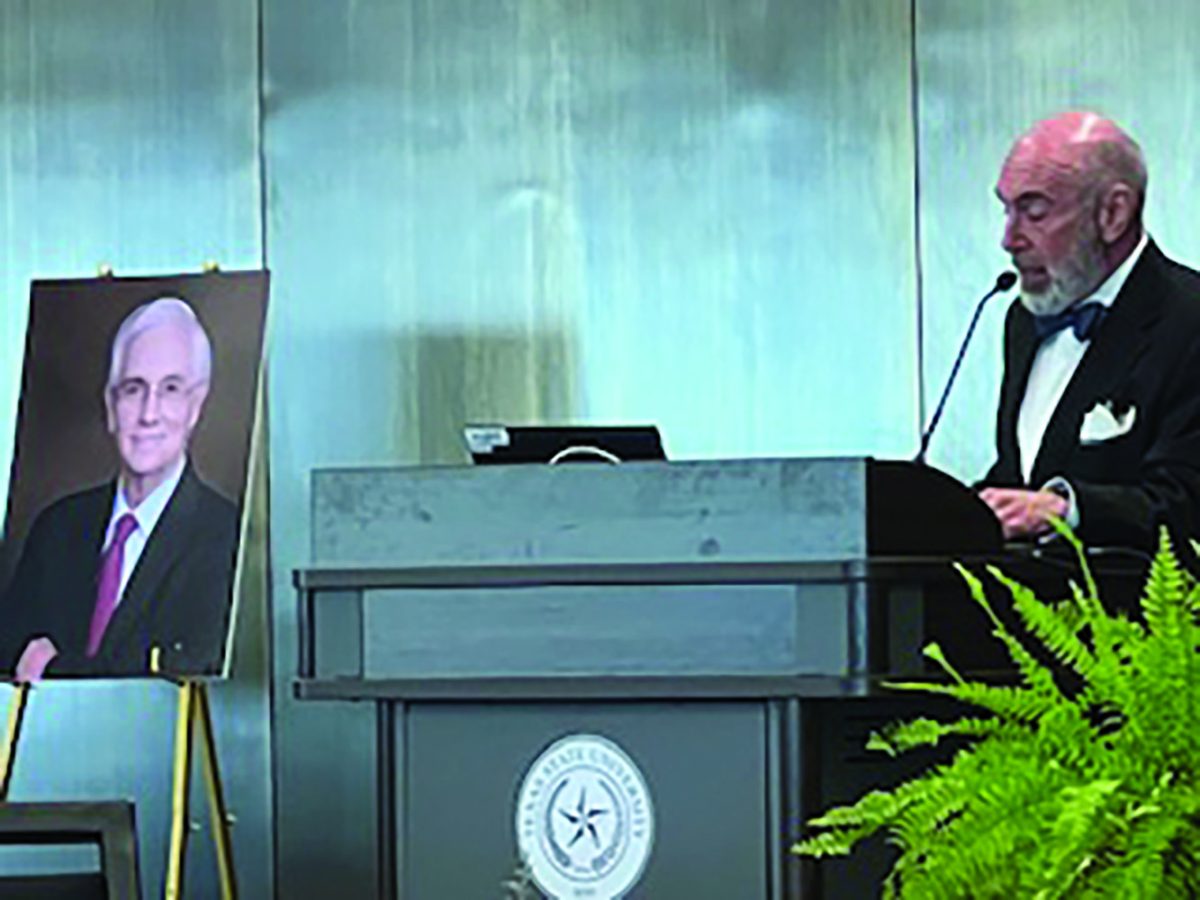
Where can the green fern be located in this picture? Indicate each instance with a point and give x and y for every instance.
(1090, 794)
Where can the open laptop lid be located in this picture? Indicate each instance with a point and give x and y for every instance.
(506, 444)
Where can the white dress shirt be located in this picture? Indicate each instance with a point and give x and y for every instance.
(1053, 365)
(147, 513)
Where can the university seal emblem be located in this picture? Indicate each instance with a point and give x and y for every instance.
(584, 821)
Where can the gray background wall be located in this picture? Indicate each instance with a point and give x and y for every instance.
(129, 135)
(761, 224)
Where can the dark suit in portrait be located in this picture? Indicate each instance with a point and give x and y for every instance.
(1144, 361)
(177, 597)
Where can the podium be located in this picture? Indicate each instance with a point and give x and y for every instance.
(724, 625)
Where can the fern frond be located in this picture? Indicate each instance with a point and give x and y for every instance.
(1053, 630)
(836, 842)
(1164, 594)
(1019, 704)
(1033, 672)
(899, 738)
(934, 652)
(1066, 533)
(1083, 818)
(875, 806)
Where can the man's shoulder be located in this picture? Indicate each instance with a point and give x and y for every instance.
(1183, 299)
(208, 505)
(86, 504)
(1182, 296)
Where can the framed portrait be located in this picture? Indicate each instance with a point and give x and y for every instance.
(130, 466)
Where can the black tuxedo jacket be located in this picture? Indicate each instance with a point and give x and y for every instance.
(1146, 355)
(178, 597)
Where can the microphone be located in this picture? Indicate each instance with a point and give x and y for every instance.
(1004, 281)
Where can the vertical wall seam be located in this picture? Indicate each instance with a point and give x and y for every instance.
(269, 569)
(260, 121)
(919, 285)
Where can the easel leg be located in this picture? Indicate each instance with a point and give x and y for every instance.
(8, 753)
(216, 797)
(180, 784)
(194, 716)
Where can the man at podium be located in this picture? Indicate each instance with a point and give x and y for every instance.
(1099, 412)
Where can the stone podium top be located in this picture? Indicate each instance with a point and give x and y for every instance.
(758, 510)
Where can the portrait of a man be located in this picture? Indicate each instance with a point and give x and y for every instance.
(136, 571)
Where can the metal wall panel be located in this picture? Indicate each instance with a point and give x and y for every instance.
(128, 135)
(693, 212)
(986, 72)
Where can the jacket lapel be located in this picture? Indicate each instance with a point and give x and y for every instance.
(81, 584)
(163, 550)
(1113, 353)
(1022, 348)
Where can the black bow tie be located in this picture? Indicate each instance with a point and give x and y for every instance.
(1083, 318)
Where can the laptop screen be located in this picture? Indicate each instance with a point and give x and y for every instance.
(507, 444)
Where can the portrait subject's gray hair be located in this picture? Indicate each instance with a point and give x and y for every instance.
(156, 313)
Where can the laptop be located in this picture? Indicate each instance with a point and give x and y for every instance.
(555, 444)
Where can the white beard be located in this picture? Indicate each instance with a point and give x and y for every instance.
(1071, 281)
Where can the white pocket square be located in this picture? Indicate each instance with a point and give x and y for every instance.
(1102, 424)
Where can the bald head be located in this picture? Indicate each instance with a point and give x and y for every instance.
(1087, 149)
(1073, 189)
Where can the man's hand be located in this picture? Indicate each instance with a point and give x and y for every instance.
(1024, 513)
(37, 654)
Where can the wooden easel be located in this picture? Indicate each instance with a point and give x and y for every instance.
(8, 752)
(193, 716)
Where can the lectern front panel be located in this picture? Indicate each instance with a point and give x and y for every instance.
(586, 630)
(769, 627)
(705, 767)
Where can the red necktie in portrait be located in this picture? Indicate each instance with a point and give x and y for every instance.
(109, 582)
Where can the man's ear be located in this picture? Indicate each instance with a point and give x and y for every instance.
(110, 414)
(1117, 213)
(199, 395)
